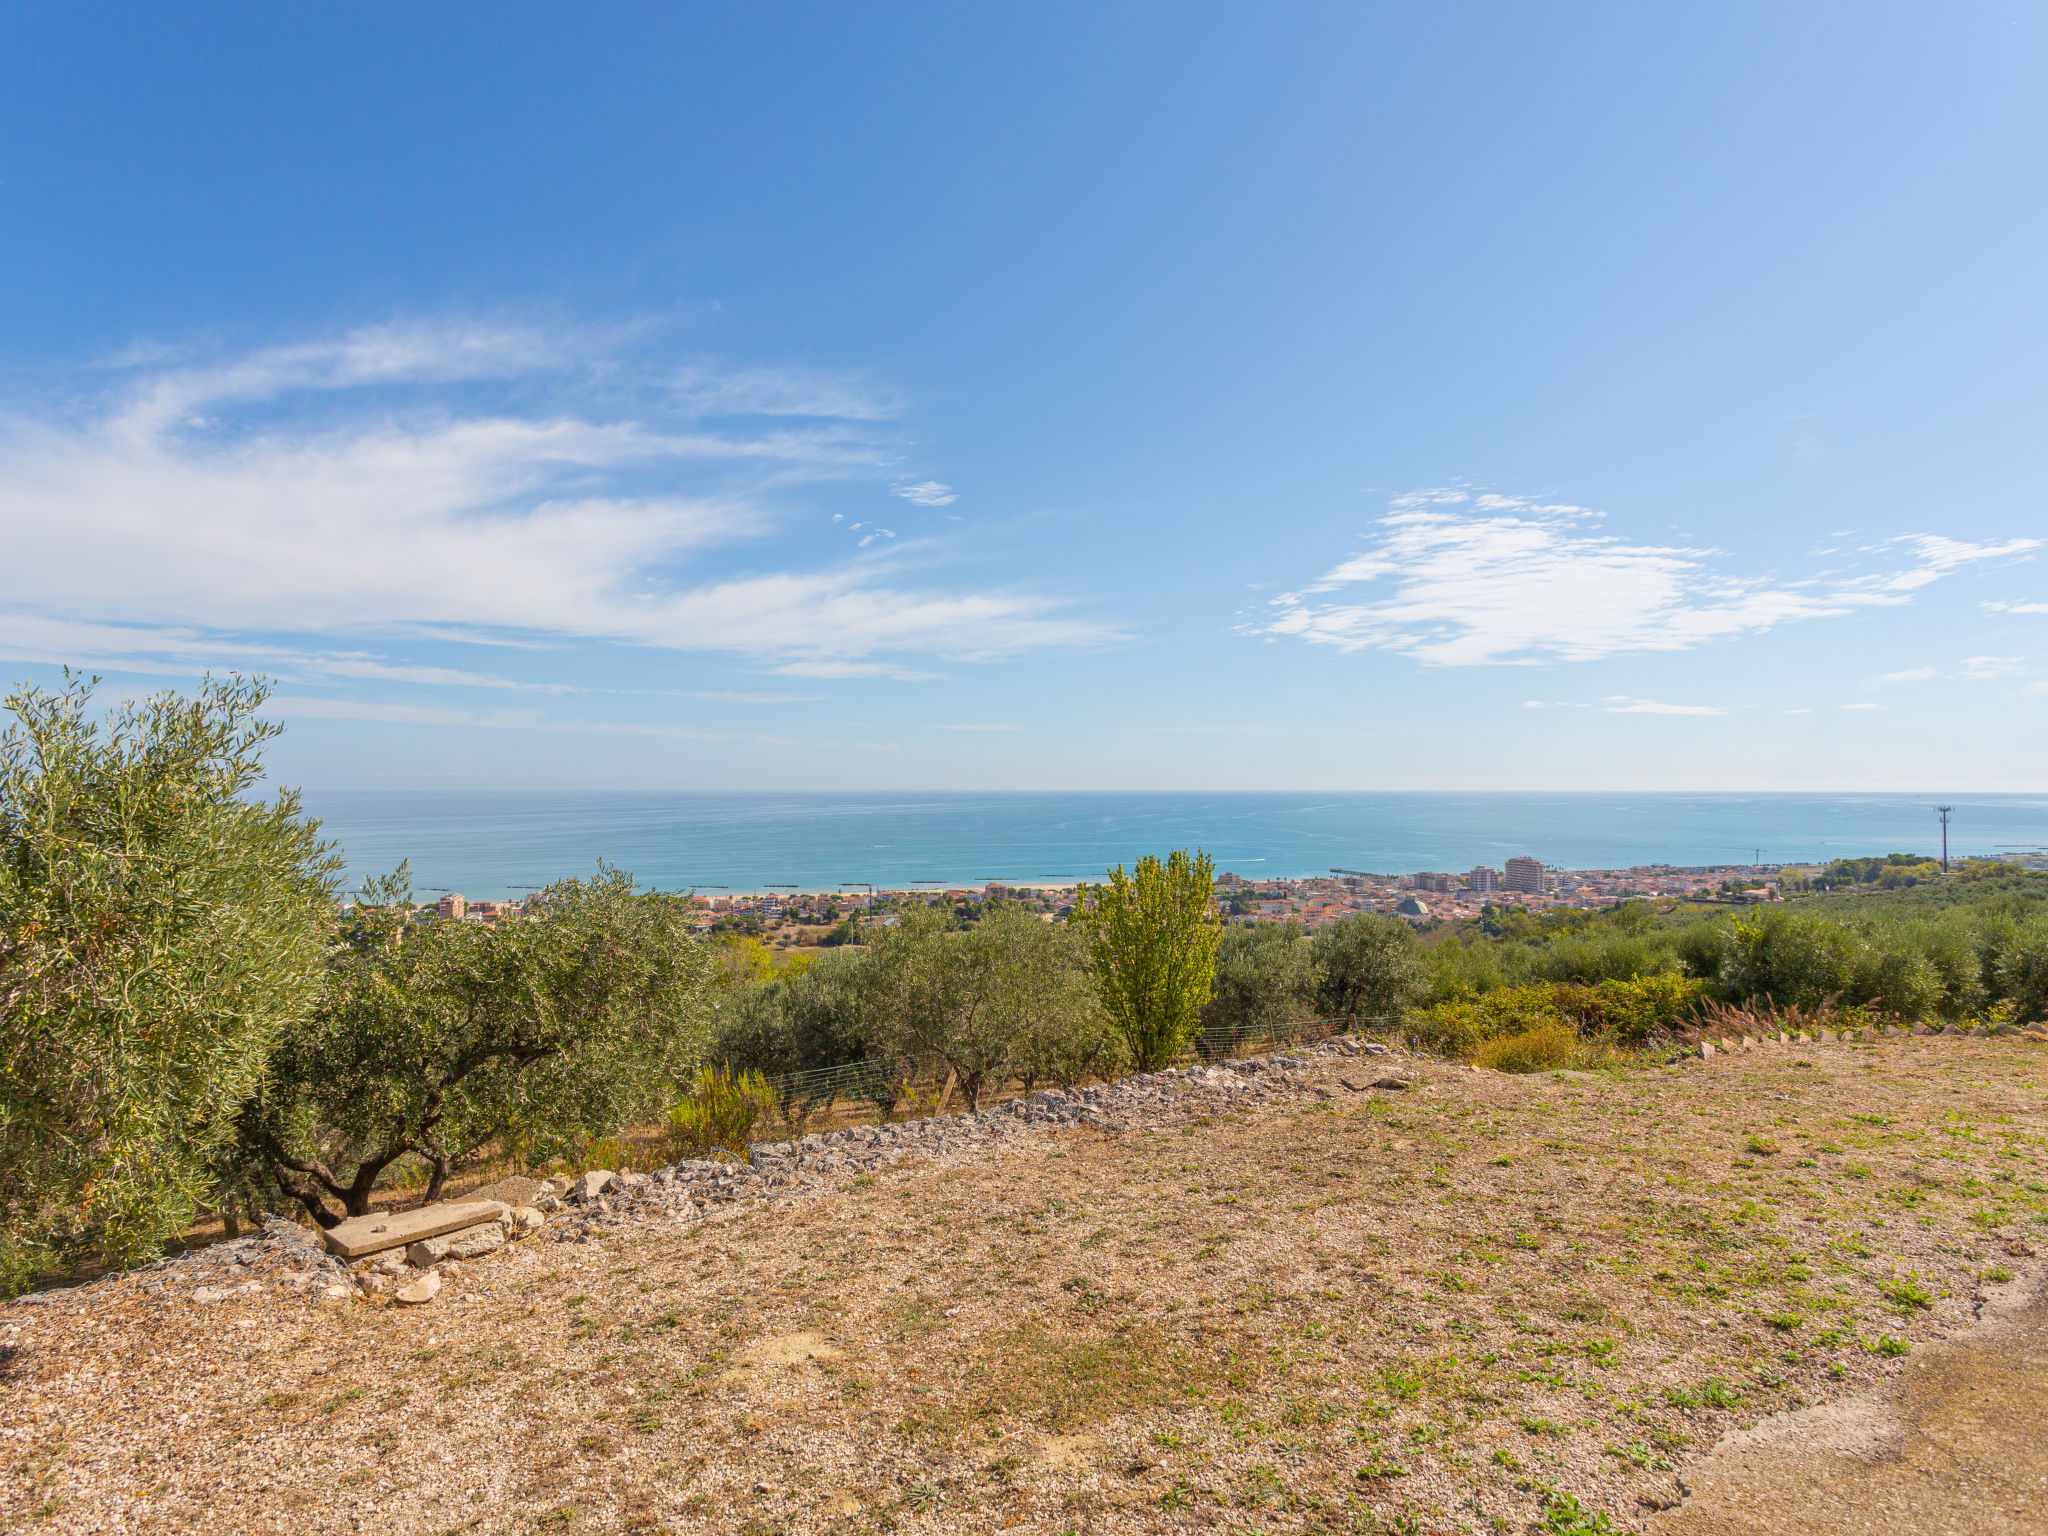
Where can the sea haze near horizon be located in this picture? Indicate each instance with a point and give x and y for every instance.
(494, 844)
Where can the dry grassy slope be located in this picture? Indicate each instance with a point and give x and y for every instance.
(1411, 1311)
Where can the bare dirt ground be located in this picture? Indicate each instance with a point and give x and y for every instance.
(1485, 1304)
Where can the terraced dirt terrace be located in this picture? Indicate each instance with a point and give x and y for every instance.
(1481, 1303)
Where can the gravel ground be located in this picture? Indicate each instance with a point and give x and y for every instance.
(1295, 1301)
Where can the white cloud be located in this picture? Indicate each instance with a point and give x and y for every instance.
(1456, 578)
(926, 493)
(2014, 607)
(709, 390)
(171, 650)
(977, 727)
(1993, 666)
(728, 696)
(290, 707)
(1621, 704)
(1806, 711)
(1859, 706)
(346, 486)
(1910, 675)
(844, 669)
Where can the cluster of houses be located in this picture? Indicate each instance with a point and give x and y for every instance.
(1313, 903)
(1524, 882)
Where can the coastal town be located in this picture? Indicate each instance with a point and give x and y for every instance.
(1423, 897)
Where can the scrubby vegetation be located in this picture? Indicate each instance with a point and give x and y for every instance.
(195, 1018)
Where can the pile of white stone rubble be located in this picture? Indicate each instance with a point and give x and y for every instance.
(409, 1255)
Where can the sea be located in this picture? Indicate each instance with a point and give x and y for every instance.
(499, 844)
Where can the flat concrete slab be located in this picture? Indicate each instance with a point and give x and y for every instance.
(361, 1235)
(515, 1191)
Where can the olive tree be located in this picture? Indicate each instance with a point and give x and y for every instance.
(160, 928)
(980, 1002)
(1370, 965)
(437, 1040)
(1266, 974)
(1152, 937)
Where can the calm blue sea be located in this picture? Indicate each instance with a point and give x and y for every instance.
(492, 845)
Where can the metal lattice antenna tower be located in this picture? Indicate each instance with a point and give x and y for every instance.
(1943, 812)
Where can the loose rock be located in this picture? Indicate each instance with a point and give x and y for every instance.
(421, 1291)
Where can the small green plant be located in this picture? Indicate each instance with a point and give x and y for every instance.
(1380, 1467)
(1889, 1346)
(1564, 1515)
(1998, 1274)
(1641, 1454)
(1400, 1387)
(1761, 1146)
(720, 1114)
(1784, 1322)
(1711, 1393)
(1908, 1296)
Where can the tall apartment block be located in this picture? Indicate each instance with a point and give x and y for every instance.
(1526, 874)
(1483, 878)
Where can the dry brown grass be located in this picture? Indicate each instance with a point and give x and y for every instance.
(1370, 1311)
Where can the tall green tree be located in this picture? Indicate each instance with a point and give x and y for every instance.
(436, 1040)
(160, 928)
(1152, 936)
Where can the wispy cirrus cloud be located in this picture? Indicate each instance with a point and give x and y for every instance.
(2014, 607)
(1625, 704)
(1621, 704)
(926, 493)
(291, 707)
(1986, 667)
(469, 480)
(1460, 578)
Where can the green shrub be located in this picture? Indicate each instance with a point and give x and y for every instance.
(1454, 1029)
(1796, 959)
(1625, 1013)
(1542, 1048)
(1598, 957)
(1453, 970)
(720, 1114)
(2022, 970)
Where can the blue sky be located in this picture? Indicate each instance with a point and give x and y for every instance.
(1333, 397)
